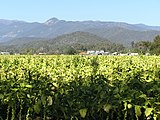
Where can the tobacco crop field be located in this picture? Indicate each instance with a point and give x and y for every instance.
(63, 87)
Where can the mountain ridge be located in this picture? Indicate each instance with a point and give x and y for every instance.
(123, 33)
(80, 41)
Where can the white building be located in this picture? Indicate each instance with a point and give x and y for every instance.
(92, 52)
(133, 54)
(5, 53)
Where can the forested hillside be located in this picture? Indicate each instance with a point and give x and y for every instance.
(77, 42)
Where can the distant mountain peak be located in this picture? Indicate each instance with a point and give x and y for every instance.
(119, 32)
(52, 21)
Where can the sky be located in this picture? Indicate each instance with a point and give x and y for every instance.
(130, 11)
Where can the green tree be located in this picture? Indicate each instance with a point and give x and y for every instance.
(157, 40)
(70, 50)
(132, 44)
(143, 46)
(155, 47)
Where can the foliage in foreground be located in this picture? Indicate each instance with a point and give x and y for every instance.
(79, 87)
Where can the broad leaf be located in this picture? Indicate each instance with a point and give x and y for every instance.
(138, 110)
(129, 106)
(107, 107)
(83, 112)
(50, 101)
(148, 111)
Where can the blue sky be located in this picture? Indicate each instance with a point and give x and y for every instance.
(130, 11)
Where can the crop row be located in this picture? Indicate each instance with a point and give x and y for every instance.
(79, 87)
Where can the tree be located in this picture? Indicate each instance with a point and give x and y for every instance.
(155, 47)
(132, 44)
(157, 40)
(70, 50)
(143, 46)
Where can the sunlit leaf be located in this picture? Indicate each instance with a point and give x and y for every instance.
(143, 96)
(50, 101)
(22, 84)
(28, 95)
(107, 107)
(129, 106)
(28, 86)
(138, 110)
(148, 111)
(83, 112)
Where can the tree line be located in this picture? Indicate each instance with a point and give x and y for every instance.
(143, 47)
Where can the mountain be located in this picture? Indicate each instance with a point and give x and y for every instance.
(80, 41)
(124, 36)
(118, 32)
(78, 37)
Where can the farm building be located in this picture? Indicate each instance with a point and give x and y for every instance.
(4, 53)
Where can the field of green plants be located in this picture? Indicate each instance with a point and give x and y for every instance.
(79, 87)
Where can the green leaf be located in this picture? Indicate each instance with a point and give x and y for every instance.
(37, 108)
(50, 101)
(143, 96)
(149, 80)
(148, 111)
(22, 84)
(157, 116)
(15, 89)
(107, 107)
(83, 112)
(1, 96)
(43, 99)
(28, 95)
(157, 103)
(125, 105)
(138, 110)
(28, 86)
(129, 106)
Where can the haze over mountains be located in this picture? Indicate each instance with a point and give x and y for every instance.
(12, 32)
